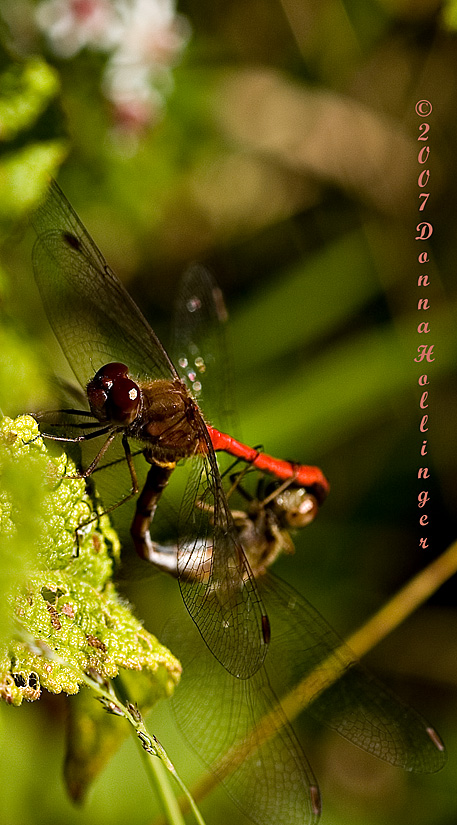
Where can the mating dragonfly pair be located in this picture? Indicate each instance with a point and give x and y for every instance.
(135, 394)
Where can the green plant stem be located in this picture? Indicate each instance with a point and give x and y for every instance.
(158, 778)
(153, 751)
(168, 795)
(156, 761)
(155, 771)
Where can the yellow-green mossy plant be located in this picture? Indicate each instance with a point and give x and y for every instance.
(61, 618)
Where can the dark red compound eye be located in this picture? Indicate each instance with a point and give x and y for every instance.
(113, 395)
(97, 398)
(106, 375)
(124, 398)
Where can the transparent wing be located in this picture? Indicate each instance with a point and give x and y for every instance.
(217, 585)
(94, 318)
(200, 345)
(269, 779)
(357, 706)
(268, 776)
(96, 322)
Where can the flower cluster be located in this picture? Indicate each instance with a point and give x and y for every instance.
(143, 39)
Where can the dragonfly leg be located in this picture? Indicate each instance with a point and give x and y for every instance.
(92, 468)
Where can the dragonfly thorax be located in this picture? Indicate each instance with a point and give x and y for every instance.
(170, 420)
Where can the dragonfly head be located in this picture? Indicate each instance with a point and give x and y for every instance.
(296, 507)
(113, 396)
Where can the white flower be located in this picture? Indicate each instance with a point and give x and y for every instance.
(138, 72)
(71, 25)
(143, 37)
(154, 34)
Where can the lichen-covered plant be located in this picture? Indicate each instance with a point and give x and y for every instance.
(63, 624)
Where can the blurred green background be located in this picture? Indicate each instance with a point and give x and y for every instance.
(276, 143)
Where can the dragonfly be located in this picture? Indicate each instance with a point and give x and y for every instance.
(240, 728)
(135, 395)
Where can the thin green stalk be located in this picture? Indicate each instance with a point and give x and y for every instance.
(155, 771)
(150, 745)
(152, 749)
(159, 779)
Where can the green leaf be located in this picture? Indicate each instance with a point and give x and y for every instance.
(25, 91)
(449, 14)
(62, 612)
(24, 176)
